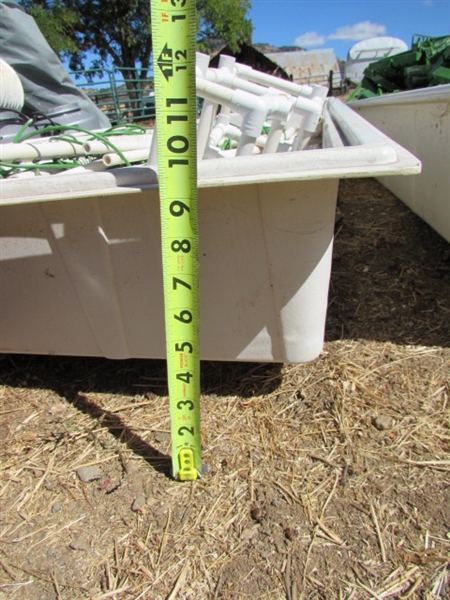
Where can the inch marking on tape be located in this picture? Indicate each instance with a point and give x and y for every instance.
(173, 33)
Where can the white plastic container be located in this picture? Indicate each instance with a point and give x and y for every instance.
(419, 120)
(81, 262)
(368, 51)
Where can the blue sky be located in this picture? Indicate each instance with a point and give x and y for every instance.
(339, 24)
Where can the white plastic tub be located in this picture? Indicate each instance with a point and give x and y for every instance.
(419, 120)
(80, 256)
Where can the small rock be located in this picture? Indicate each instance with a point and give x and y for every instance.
(265, 553)
(163, 509)
(383, 422)
(133, 466)
(249, 533)
(50, 485)
(57, 410)
(256, 513)
(290, 533)
(56, 507)
(138, 503)
(87, 474)
(161, 437)
(79, 544)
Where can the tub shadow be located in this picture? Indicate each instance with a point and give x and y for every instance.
(76, 378)
(116, 426)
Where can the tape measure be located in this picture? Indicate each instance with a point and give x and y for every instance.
(173, 33)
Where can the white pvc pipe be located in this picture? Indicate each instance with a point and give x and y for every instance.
(303, 112)
(272, 81)
(112, 159)
(95, 165)
(222, 131)
(122, 142)
(11, 91)
(279, 104)
(252, 107)
(201, 64)
(209, 109)
(226, 63)
(246, 145)
(29, 151)
(311, 117)
(232, 153)
(232, 80)
(153, 154)
(273, 139)
(63, 149)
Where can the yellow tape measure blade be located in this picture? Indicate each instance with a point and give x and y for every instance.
(173, 32)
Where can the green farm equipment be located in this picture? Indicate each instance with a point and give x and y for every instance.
(426, 64)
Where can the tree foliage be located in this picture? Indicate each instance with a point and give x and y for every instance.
(224, 20)
(57, 24)
(119, 31)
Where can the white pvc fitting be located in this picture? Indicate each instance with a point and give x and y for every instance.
(255, 110)
(252, 107)
(279, 104)
(201, 64)
(222, 131)
(227, 62)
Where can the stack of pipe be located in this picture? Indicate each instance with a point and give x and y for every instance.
(244, 112)
(253, 111)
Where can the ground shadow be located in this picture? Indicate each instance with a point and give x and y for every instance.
(390, 279)
(74, 378)
(115, 425)
(69, 376)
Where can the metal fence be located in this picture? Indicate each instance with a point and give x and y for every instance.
(121, 103)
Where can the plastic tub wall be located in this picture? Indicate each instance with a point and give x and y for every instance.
(419, 120)
(91, 283)
(80, 264)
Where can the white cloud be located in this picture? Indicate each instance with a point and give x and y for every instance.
(309, 39)
(360, 31)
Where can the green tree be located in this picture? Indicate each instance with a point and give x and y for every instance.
(119, 31)
(57, 24)
(223, 20)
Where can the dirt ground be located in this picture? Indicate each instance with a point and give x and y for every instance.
(326, 480)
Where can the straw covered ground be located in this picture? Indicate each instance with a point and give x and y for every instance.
(326, 480)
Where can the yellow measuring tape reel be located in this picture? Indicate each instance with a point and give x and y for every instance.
(173, 33)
